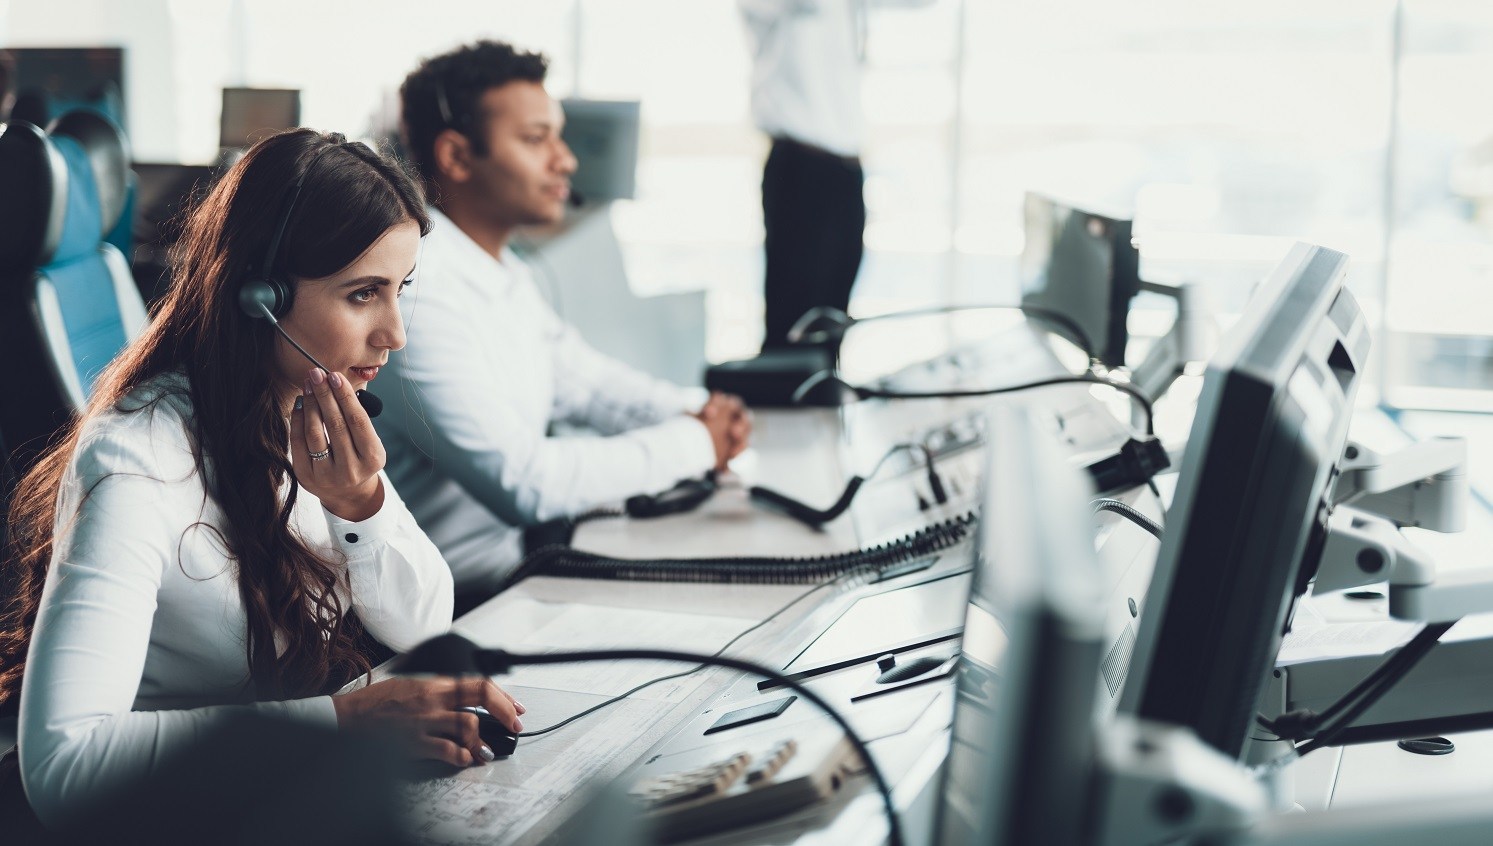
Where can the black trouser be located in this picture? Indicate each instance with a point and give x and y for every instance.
(815, 215)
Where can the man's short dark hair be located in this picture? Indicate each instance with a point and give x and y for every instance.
(443, 92)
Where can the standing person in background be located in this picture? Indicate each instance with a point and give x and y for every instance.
(806, 96)
(490, 366)
(807, 57)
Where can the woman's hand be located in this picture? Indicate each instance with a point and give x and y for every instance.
(334, 450)
(422, 714)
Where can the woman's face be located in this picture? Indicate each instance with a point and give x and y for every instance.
(350, 320)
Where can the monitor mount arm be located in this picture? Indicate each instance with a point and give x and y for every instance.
(1192, 337)
(1364, 549)
(1158, 783)
(1423, 485)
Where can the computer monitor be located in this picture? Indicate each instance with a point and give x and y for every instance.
(603, 134)
(164, 191)
(50, 81)
(1249, 515)
(250, 114)
(1022, 747)
(1082, 265)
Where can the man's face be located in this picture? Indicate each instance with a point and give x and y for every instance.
(525, 176)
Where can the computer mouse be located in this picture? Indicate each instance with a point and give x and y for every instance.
(497, 736)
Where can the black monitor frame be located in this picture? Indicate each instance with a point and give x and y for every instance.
(1021, 755)
(604, 136)
(236, 100)
(1246, 526)
(74, 76)
(1082, 264)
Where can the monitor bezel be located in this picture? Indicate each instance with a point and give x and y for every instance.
(293, 94)
(1120, 289)
(1249, 515)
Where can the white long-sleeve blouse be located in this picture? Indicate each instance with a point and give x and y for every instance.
(140, 639)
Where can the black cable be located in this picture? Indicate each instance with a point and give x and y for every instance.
(1403, 661)
(498, 661)
(563, 561)
(1305, 724)
(605, 512)
(1135, 393)
(1115, 506)
(1080, 337)
(730, 643)
(816, 517)
(1418, 647)
(686, 495)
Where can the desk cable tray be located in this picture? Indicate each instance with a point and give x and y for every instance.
(563, 561)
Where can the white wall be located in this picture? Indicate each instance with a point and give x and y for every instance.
(347, 57)
(142, 27)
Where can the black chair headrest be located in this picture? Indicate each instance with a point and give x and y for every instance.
(108, 157)
(32, 106)
(33, 196)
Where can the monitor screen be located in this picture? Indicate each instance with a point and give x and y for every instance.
(1021, 749)
(1083, 266)
(50, 81)
(163, 193)
(250, 114)
(1245, 527)
(603, 134)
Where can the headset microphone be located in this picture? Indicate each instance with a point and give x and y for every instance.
(269, 295)
(576, 199)
(371, 404)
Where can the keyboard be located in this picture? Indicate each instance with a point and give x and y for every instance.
(700, 791)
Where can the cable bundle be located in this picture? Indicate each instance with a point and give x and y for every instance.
(565, 562)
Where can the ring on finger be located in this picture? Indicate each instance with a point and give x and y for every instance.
(317, 456)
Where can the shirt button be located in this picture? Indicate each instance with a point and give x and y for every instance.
(350, 537)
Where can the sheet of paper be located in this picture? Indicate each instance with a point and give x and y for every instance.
(500, 802)
(580, 627)
(1338, 640)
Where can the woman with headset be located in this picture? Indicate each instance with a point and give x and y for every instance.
(215, 531)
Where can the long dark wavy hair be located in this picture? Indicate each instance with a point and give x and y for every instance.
(240, 435)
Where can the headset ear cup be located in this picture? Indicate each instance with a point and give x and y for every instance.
(283, 295)
(269, 292)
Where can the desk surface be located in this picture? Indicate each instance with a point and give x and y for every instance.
(806, 454)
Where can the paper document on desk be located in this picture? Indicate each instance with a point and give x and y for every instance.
(1342, 640)
(601, 627)
(499, 803)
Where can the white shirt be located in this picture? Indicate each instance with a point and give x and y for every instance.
(139, 643)
(806, 65)
(468, 402)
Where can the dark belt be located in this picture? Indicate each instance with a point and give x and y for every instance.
(811, 149)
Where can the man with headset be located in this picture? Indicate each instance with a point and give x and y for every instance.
(489, 365)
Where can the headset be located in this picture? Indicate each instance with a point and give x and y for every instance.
(268, 294)
(443, 105)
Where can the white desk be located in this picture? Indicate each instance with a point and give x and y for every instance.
(806, 454)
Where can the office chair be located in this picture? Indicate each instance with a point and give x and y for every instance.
(67, 301)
